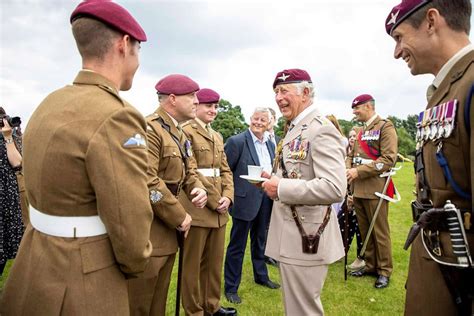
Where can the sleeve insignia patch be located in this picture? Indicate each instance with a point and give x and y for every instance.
(135, 141)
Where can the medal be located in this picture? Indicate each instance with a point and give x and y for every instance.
(426, 127)
(188, 148)
(433, 123)
(441, 123)
(450, 115)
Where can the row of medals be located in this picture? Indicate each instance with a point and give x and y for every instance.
(436, 123)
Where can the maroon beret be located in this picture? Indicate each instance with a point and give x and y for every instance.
(176, 84)
(111, 14)
(361, 99)
(291, 76)
(208, 96)
(401, 12)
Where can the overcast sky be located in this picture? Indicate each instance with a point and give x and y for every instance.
(233, 47)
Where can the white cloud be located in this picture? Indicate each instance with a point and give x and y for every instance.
(233, 47)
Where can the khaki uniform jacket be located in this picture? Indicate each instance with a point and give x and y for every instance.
(209, 153)
(369, 180)
(320, 181)
(427, 293)
(76, 163)
(166, 166)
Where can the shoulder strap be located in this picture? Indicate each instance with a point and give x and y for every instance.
(467, 111)
(176, 140)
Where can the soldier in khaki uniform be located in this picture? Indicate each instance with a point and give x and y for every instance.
(433, 37)
(85, 163)
(375, 152)
(204, 247)
(172, 168)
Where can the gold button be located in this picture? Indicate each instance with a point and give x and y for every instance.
(302, 218)
(202, 147)
(174, 153)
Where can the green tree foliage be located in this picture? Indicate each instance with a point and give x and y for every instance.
(406, 143)
(410, 125)
(279, 127)
(229, 121)
(346, 126)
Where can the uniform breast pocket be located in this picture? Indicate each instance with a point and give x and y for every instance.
(291, 241)
(171, 162)
(201, 151)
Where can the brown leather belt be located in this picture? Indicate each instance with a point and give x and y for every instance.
(310, 243)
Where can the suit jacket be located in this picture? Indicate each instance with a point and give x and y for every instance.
(369, 180)
(318, 180)
(209, 152)
(76, 163)
(166, 167)
(240, 152)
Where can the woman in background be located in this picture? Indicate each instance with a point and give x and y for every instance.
(353, 226)
(11, 225)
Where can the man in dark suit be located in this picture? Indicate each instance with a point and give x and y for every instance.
(252, 207)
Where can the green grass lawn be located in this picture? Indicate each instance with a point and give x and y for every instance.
(356, 296)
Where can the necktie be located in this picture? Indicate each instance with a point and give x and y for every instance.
(430, 91)
(209, 129)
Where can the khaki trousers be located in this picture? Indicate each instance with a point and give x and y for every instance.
(202, 270)
(378, 254)
(148, 293)
(302, 288)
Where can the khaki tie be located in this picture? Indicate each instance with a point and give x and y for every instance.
(430, 91)
(209, 129)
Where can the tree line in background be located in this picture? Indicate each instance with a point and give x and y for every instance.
(230, 121)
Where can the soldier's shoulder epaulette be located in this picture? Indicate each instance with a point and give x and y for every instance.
(322, 120)
(152, 117)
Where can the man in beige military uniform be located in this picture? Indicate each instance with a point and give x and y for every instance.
(375, 152)
(311, 177)
(204, 247)
(85, 163)
(432, 37)
(171, 168)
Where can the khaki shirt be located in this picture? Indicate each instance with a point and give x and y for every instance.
(209, 152)
(386, 144)
(166, 166)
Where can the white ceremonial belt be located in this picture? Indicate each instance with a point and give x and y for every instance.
(210, 172)
(361, 161)
(67, 226)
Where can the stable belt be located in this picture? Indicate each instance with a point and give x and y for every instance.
(209, 172)
(361, 161)
(67, 226)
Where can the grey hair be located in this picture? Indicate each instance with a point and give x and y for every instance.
(300, 86)
(261, 109)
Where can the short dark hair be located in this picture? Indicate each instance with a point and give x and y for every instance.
(457, 14)
(93, 38)
(2, 111)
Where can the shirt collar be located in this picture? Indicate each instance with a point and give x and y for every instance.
(255, 138)
(203, 125)
(303, 114)
(371, 119)
(443, 72)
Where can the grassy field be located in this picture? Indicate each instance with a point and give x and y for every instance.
(356, 296)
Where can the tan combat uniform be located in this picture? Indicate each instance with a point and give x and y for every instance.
(382, 138)
(167, 173)
(77, 163)
(204, 247)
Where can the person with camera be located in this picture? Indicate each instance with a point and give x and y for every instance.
(11, 224)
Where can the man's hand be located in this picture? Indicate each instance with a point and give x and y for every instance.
(185, 225)
(200, 198)
(224, 203)
(271, 187)
(352, 174)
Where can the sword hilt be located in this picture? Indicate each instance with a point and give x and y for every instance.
(456, 234)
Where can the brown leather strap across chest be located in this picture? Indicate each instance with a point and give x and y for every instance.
(310, 243)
